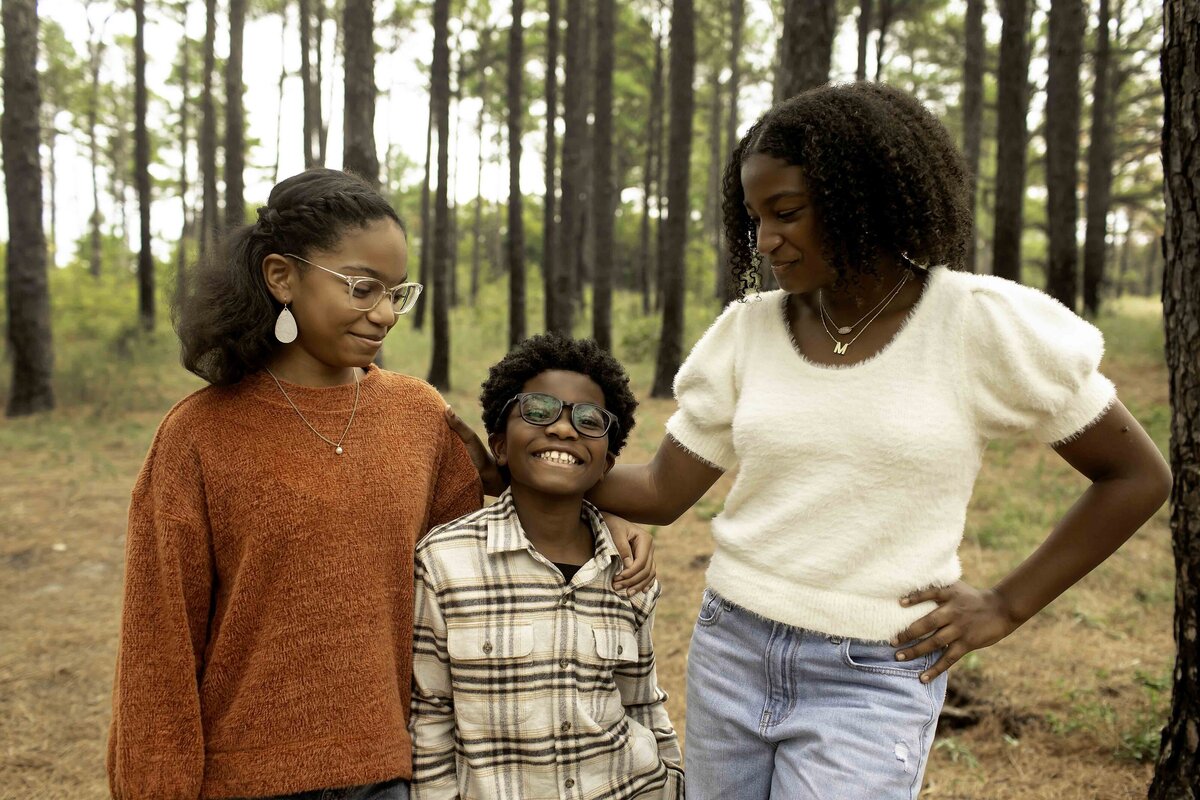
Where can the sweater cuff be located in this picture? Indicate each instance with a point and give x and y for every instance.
(1094, 398)
(714, 449)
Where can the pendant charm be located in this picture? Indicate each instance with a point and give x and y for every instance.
(840, 348)
(843, 331)
(338, 450)
(285, 327)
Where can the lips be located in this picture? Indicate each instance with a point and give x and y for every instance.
(368, 339)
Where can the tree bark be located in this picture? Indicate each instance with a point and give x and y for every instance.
(1099, 168)
(864, 33)
(887, 14)
(1012, 104)
(312, 117)
(1067, 22)
(806, 46)
(210, 211)
(516, 216)
(737, 22)
(95, 55)
(972, 108)
(28, 296)
(358, 120)
(145, 261)
(550, 263)
(605, 189)
(235, 139)
(1179, 757)
(439, 368)
(570, 241)
(424, 271)
(650, 183)
(683, 63)
(713, 201)
(185, 73)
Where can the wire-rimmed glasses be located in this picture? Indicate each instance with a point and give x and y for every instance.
(365, 293)
(541, 409)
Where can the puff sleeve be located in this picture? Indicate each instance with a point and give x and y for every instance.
(706, 393)
(1032, 365)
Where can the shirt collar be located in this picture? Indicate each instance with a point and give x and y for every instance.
(505, 534)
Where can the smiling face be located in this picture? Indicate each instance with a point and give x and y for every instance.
(554, 459)
(788, 231)
(333, 335)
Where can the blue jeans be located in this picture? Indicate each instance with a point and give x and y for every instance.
(788, 714)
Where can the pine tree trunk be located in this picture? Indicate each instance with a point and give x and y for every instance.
(736, 24)
(864, 33)
(439, 368)
(605, 189)
(713, 200)
(477, 222)
(425, 270)
(550, 265)
(28, 296)
(358, 32)
(1012, 104)
(1067, 22)
(95, 55)
(1099, 168)
(210, 212)
(683, 63)
(1179, 757)
(806, 46)
(185, 72)
(283, 73)
(319, 79)
(972, 108)
(570, 241)
(516, 211)
(887, 12)
(586, 256)
(650, 183)
(145, 261)
(235, 140)
(311, 113)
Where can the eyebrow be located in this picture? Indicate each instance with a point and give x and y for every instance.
(780, 195)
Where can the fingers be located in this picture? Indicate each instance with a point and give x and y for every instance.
(937, 594)
(639, 569)
(926, 625)
(942, 639)
(949, 658)
(637, 580)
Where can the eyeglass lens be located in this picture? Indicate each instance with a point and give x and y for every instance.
(543, 409)
(366, 293)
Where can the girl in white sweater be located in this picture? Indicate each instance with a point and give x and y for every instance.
(855, 403)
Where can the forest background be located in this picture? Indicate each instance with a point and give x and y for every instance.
(537, 199)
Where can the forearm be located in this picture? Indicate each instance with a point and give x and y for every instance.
(656, 493)
(1107, 514)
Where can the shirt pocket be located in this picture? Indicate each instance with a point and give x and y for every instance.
(483, 659)
(614, 648)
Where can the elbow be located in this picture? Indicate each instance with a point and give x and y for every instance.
(1161, 483)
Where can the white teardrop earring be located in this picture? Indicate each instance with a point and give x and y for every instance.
(285, 327)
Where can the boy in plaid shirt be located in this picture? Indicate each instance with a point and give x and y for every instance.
(532, 678)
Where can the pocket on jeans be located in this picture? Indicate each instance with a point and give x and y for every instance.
(880, 657)
(711, 608)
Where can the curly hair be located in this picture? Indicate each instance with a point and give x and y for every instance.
(884, 175)
(548, 351)
(226, 322)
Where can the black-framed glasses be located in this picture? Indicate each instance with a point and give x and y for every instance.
(541, 409)
(365, 293)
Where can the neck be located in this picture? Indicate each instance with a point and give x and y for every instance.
(553, 523)
(293, 365)
(862, 292)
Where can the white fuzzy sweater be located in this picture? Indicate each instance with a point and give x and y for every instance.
(852, 483)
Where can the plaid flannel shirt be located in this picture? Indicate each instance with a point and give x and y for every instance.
(526, 686)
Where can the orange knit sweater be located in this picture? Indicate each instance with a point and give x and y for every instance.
(266, 637)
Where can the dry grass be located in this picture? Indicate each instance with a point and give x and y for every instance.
(1068, 707)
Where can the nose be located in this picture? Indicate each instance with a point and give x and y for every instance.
(383, 313)
(765, 239)
(562, 427)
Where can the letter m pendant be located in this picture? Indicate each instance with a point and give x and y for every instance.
(840, 348)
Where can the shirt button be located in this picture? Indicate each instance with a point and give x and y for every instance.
(569, 782)
(620, 649)
(565, 600)
(562, 662)
(566, 726)
(487, 647)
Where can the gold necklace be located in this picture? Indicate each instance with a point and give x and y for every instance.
(840, 347)
(337, 446)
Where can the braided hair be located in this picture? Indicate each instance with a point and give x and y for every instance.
(883, 173)
(226, 322)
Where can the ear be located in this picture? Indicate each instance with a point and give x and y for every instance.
(610, 461)
(280, 276)
(498, 443)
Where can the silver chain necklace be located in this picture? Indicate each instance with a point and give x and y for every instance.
(840, 347)
(337, 446)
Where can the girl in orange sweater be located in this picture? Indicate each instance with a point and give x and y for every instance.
(266, 636)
